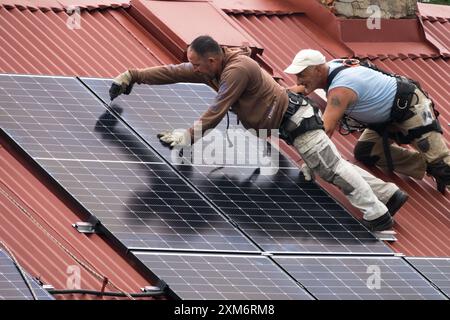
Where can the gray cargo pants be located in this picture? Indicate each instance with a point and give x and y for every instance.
(364, 191)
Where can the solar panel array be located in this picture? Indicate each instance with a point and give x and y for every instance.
(206, 276)
(368, 278)
(281, 213)
(13, 285)
(437, 270)
(205, 230)
(113, 174)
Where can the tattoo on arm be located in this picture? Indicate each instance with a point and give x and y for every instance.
(335, 102)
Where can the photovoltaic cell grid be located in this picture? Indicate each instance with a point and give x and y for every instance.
(281, 212)
(116, 177)
(56, 118)
(147, 206)
(13, 286)
(223, 277)
(365, 278)
(436, 270)
(153, 109)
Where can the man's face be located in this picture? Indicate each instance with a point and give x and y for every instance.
(309, 78)
(204, 65)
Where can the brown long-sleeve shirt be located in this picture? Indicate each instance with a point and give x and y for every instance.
(257, 99)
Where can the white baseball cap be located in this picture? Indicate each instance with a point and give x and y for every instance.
(304, 59)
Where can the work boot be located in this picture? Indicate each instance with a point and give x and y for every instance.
(397, 200)
(440, 171)
(384, 222)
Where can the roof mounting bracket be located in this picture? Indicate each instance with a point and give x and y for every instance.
(85, 227)
(48, 287)
(387, 235)
(161, 286)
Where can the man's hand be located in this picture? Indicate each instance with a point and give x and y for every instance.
(307, 172)
(297, 89)
(121, 84)
(176, 138)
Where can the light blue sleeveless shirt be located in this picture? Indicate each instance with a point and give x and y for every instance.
(375, 92)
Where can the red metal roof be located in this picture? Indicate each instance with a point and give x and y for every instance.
(282, 36)
(436, 24)
(59, 5)
(109, 42)
(162, 18)
(423, 224)
(433, 11)
(396, 37)
(35, 217)
(34, 39)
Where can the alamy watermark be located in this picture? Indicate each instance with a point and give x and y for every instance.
(74, 277)
(233, 147)
(74, 20)
(374, 20)
(374, 280)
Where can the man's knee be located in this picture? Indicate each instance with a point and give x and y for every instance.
(363, 151)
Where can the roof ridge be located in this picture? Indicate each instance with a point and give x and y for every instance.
(60, 5)
(434, 12)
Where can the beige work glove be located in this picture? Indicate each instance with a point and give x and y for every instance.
(176, 138)
(121, 84)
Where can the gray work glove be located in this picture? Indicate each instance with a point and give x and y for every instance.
(307, 172)
(176, 138)
(121, 84)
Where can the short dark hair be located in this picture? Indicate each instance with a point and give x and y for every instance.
(203, 45)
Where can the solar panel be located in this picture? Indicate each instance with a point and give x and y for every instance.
(56, 117)
(436, 270)
(153, 109)
(366, 278)
(12, 284)
(281, 212)
(201, 276)
(147, 206)
(113, 174)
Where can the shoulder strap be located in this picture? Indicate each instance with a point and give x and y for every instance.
(333, 74)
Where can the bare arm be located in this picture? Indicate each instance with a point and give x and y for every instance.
(338, 101)
(297, 89)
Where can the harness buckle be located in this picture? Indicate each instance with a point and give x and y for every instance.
(402, 107)
(294, 102)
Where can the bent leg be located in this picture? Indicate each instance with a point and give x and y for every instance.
(431, 145)
(321, 155)
(369, 150)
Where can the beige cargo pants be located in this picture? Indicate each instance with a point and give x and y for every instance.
(429, 148)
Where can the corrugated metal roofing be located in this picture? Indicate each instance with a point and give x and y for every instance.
(393, 38)
(162, 18)
(59, 5)
(35, 40)
(35, 217)
(108, 42)
(423, 224)
(282, 35)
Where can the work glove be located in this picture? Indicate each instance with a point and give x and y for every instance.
(307, 172)
(121, 84)
(176, 138)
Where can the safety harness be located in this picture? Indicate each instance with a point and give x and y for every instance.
(399, 112)
(288, 131)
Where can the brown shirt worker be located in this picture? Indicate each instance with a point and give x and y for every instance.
(261, 103)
